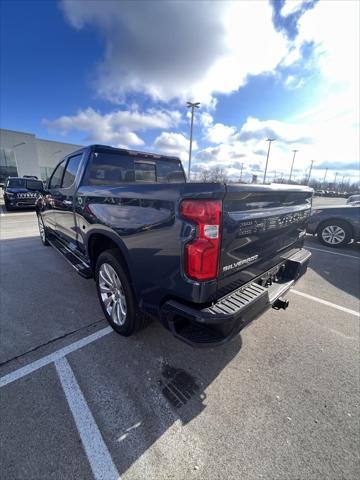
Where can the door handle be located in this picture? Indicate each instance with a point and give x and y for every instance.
(67, 202)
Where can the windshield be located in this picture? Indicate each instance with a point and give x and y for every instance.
(16, 183)
(23, 183)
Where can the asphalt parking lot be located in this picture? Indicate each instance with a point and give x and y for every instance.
(80, 402)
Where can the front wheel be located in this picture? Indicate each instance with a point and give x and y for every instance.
(42, 230)
(334, 233)
(8, 208)
(115, 294)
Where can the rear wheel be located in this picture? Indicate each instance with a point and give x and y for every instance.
(334, 233)
(116, 296)
(42, 230)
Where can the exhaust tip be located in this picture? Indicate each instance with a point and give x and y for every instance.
(281, 303)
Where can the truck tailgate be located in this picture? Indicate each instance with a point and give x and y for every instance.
(262, 225)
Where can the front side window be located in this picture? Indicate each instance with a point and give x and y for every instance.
(145, 172)
(109, 168)
(71, 171)
(56, 178)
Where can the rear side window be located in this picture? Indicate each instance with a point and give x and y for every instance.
(109, 169)
(71, 170)
(113, 169)
(56, 178)
(145, 172)
(169, 171)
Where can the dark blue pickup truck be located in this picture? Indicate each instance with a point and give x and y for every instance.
(203, 258)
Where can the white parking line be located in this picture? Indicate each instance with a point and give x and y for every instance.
(332, 253)
(31, 367)
(325, 302)
(98, 455)
(4, 213)
(19, 214)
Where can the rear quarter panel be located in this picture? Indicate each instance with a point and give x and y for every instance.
(145, 220)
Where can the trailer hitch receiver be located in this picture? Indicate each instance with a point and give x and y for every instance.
(281, 303)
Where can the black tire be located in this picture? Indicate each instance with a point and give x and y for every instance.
(43, 233)
(133, 320)
(334, 233)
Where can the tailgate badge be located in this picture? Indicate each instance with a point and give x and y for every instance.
(240, 263)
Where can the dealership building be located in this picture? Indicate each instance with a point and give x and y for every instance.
(22, 153)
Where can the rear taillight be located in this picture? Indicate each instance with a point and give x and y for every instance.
(202, 253)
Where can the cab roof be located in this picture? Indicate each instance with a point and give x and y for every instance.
(135, 153)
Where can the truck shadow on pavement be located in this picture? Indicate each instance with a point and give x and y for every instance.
(145, 391)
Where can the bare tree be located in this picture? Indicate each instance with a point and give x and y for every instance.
(213, 175)
(218, 174)
(205, 176)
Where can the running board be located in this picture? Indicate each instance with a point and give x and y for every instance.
(80, 266)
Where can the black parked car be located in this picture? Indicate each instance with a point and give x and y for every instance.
(203, 258)
(335, 226)
(22, 192)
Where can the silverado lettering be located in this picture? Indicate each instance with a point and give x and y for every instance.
(241, 262)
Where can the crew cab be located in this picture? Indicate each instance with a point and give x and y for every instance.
(203, 258)
(22, 192)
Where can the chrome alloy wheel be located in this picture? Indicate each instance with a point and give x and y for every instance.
(112, 294)
(41, 229)
(333, 235)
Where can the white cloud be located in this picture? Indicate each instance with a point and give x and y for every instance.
(175, 144)
(206, 119)
(332, 141)
(220, 133)
(293, 82)
(293, 6)
(257, 130)
(116, 128)
(195, 50)
(181, 50)
(333, 28)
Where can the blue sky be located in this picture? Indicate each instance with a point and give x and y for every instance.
(120, 73)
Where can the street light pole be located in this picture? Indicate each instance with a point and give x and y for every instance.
(336, 174)
(342, 183)
(242, 166)
(191, 105)
(326, 170)
(312, 163)
(267, 158)
(292, 164)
